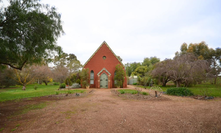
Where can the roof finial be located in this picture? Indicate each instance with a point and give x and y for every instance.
(104, 42)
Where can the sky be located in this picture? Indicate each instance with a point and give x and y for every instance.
(135, 29)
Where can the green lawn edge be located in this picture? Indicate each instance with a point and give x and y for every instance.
(9, 94)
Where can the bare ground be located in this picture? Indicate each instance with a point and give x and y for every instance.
(102, 111)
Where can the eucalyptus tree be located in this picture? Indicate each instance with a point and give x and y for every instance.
(203, 52)
(131, 67)
(69, 61)
(28, 32)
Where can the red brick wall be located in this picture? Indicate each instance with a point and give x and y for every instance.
(97, 63)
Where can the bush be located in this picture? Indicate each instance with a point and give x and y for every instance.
(55, 83)
(121, 91)
(179, 91)
(68, 81)
(62, 85)
(144, 93)
(134, 92)
(35, 87)
(85, 77)
(57, 93)
(119, 75)
(134, 83)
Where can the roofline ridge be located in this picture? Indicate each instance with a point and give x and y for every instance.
(104, 42)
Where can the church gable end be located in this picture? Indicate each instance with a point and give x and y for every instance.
(103, 63)
(103, 57)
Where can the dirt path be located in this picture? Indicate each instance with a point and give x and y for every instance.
(102, 112)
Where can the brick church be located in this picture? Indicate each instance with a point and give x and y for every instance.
(102, 67)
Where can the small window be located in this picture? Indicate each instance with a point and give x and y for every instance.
(104, 57)
(92, 77)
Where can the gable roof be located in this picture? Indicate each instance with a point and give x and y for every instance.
(104, 69)
(104, 43)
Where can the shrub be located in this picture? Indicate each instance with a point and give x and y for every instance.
(85, 77)
(55, 83)
(57, 93)
(35, 87)
(134, 83)
(134, 92)
(62, 85)
(144, 93)
(180, 91)
(121, 91)
(119, 75)
(69, 92)
(68, 81)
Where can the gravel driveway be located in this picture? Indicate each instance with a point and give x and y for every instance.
(103, 112)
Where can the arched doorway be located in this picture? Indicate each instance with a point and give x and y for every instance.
(104, 81)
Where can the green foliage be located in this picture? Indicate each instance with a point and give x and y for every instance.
(70, 61)
(56, 93)
(55, 83)
(145, 93)
(6, 78)
(43, 90)
(119, 75)
(122, 91)
(156, 88)
(150, 61)
(134, 83)
(70, 91)
(203, 52)
(1, 129)
(14, 129)
(63, 85)
(85, 77)
(130, 67)
(68, 81)
(28, 32)
(180, 91)
(35, 87)
(74, 78)
(140, 71)
(145, 81)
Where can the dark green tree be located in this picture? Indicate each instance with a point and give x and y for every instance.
(28, 32)
(5, 77)
(130, 67)
(203, 52)
(150, 61)
(119, 75)
(140, 71)
(85, 77)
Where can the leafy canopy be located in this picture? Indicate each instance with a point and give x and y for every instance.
(28, 32)
(119, 75)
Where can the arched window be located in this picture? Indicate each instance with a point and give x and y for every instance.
(92, 77)
(115, 81)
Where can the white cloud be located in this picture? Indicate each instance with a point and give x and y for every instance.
(136, 29)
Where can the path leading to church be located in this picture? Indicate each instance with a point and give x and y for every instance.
(103, 112)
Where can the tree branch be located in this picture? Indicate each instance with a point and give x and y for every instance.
(15, 67)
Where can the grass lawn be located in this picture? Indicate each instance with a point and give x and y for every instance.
(42, 90)
(122, 91)
(200, 89)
